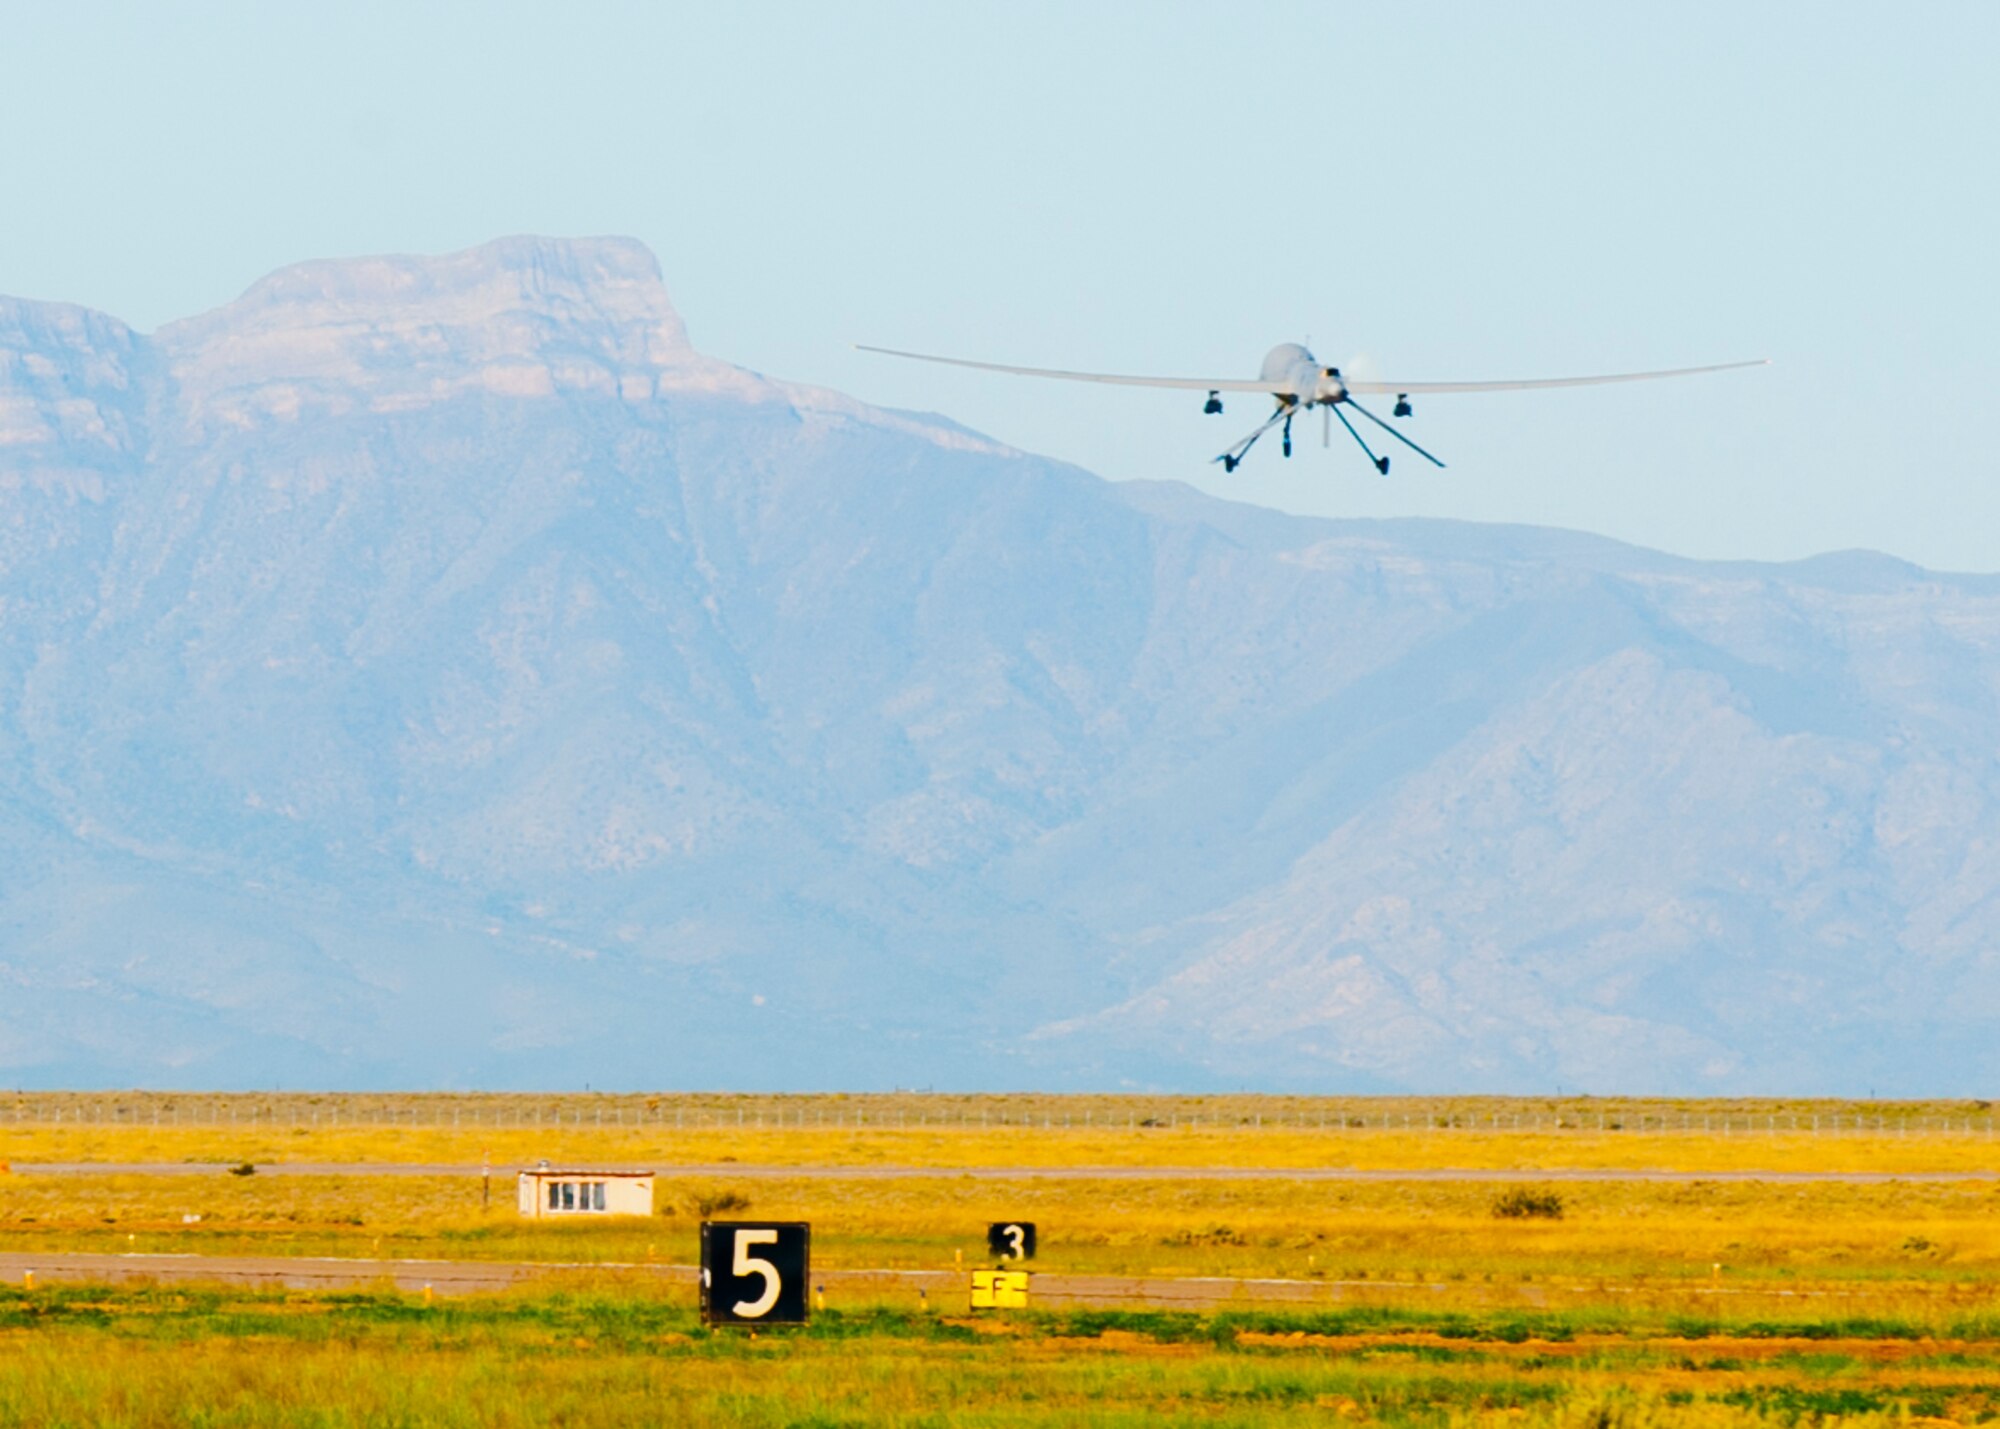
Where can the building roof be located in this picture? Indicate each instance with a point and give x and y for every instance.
(581, 1171)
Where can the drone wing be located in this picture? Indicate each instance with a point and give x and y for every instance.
(1418, 388)
(1191, 384)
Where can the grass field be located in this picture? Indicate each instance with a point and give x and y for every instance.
(946, 1132)
(1936, 1235)
(1699, 1301)
(222, 1358)
(944, 1150)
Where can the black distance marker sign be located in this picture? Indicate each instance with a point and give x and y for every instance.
(1011, 1240)
(755, 1273)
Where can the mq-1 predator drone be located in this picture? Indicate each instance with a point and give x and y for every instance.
(1298, 381)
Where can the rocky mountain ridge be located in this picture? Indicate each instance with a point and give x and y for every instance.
(435, 671)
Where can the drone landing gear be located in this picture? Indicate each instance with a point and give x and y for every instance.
(1213, 406)
(1233, 458)
(1381, 462)
(1403, 407)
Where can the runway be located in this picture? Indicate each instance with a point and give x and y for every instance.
(941, 1290)
(730, 1170)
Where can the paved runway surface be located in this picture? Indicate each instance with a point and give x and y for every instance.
(732, 1170)
(942, 1290)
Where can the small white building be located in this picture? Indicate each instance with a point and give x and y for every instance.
(547, 1192)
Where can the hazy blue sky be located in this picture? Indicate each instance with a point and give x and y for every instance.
(1442, 191)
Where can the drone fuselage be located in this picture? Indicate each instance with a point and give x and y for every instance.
(1298, 383)
(1304, 380)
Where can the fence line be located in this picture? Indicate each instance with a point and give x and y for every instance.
(442, 1114)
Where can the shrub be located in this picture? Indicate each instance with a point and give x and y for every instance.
(1527, 1203)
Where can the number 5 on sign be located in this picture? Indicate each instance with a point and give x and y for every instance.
(744, 1263)
(755, 1274)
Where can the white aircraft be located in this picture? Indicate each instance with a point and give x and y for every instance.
(1295, 378)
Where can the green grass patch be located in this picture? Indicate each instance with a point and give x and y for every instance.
(221, 1355)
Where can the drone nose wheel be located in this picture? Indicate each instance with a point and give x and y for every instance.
(1403, 407)
(1213, 406)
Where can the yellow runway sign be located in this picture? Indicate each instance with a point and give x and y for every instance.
(999, 1289)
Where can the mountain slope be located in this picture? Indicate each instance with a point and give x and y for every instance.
(438, 671)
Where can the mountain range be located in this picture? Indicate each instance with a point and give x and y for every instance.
(437, 672)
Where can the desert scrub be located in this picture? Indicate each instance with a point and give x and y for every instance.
(1525, 1203)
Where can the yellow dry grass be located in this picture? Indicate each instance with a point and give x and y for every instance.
(949, 1148)
(1922, 1234)
(1930, 1237)
(1719, 1302)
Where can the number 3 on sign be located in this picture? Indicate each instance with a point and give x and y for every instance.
(754, 1274)
(1011, 1240)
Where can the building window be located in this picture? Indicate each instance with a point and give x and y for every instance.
(573, 1194)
